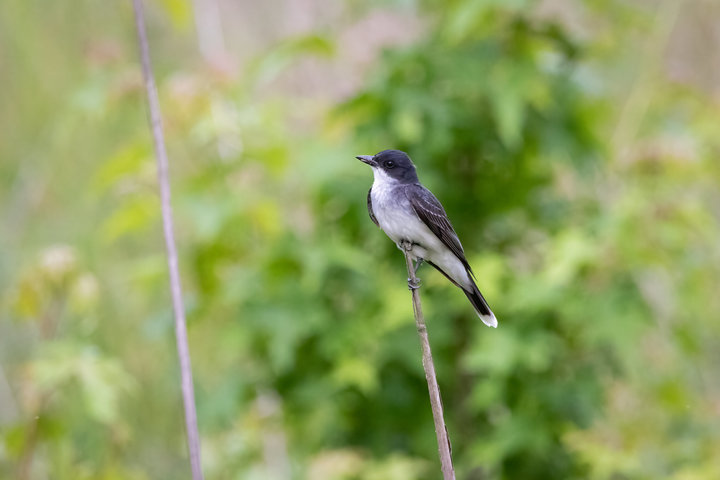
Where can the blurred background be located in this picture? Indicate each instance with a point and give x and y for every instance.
(574, 144)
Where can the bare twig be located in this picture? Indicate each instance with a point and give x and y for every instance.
(188, 394)
(427, 360)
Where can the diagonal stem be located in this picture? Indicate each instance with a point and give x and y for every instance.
(193, 438)
(427, 360)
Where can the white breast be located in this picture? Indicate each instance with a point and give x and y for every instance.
(399, 222)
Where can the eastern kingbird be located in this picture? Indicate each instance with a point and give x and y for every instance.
(408, 212)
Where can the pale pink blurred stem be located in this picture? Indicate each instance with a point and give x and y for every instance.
(193, 437)
(209, 29)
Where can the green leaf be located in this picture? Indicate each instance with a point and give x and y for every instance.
(127, 162)
(288, 52)
(180, 12)
(135, 215)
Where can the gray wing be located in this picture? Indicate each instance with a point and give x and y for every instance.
(370, 210)
(432, 213)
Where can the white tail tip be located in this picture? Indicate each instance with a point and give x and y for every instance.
(489, 320)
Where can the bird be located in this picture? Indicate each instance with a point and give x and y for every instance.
(415, 219)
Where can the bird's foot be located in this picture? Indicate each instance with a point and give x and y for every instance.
(417, 264)
(405, 245)
(413, 285)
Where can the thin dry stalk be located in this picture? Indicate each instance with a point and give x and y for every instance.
(193, 438)
(427, 360)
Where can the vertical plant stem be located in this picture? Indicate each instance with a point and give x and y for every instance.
(193, 438)
(49, 324)
(435, 401)
(28, 453)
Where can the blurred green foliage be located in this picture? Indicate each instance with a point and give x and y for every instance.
(585, 192)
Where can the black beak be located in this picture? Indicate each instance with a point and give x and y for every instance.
(369, 159)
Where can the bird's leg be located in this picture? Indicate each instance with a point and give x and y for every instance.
(416, 284)
(407, 245)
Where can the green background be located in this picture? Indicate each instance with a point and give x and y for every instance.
(574, 145)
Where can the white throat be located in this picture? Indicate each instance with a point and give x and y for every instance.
(382, 179)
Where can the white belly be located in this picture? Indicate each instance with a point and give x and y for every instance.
(389, 212)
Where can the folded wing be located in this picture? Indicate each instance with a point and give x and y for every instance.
(370, 209)
(431, 212)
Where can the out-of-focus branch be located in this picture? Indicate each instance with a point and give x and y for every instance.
(193, 438)
(427, 360)
(274, 439)
(208, 25)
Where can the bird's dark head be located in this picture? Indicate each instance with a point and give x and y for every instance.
(392, 165)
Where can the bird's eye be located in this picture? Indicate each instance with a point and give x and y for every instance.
(389, 164)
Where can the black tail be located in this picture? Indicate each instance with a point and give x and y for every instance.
(481, 306)
(478, 301)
